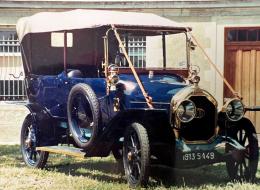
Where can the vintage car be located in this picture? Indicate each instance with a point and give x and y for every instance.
(87, 97)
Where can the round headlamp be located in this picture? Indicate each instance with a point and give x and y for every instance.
(234, 110)
(186, 111)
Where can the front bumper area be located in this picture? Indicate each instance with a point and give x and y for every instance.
(221, 149)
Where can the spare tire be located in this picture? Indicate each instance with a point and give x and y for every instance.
(83, 115)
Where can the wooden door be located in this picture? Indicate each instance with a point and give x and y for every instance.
(242, 70)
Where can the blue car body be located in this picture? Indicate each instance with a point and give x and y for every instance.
(52, 92)
(78, 92)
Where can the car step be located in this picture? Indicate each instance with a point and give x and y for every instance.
(67, 150)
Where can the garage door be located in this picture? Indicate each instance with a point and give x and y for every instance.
(242, 66)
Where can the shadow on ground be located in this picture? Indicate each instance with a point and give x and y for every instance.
(108, 170)
(102, 170)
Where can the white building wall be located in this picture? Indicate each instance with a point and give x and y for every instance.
(208, 20)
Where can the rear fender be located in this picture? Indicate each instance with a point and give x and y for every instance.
(44, 124)
(37, 109)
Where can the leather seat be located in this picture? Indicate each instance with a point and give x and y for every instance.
(75, 74)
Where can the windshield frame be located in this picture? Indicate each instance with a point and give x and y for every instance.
(146, 32)
(112, 70)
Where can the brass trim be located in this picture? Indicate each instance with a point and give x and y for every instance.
(186, 93)
(224, 108)
(177, 107)
(192, 90)
(210, 140)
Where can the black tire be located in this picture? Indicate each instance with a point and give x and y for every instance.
(31, 157)
(83, 115)
(246, 169)
(136, 155)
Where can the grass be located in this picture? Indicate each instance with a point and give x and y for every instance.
(64, 172)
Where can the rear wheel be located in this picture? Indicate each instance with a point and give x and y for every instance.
(247, 167)
(136, 155)
(32, 157)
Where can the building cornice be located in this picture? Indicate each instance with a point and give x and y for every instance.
(137, 4)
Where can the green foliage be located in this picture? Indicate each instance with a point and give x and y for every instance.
(65, 172)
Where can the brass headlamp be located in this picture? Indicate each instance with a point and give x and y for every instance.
(234, 109)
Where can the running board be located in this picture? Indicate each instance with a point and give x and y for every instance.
(71, 151)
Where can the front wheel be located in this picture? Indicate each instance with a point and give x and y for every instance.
(31, 157)
(136, 155)
(245, 169)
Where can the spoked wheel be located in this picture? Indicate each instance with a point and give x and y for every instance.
(136, 155)
(83, 114)
(82, 118)
(247, 167)
(31, 157)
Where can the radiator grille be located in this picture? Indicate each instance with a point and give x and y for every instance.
(200, 129)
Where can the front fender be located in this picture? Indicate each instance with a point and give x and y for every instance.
(152, 119)
(223, 122)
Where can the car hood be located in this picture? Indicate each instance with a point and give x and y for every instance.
(160, 87)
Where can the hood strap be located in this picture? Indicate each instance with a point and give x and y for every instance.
(236, 94)
(140, 84)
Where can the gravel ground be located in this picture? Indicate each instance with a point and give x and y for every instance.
(11, 119)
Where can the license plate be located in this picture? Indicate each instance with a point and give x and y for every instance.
(199, 156)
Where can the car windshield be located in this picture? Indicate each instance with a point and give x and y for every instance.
(147, 51)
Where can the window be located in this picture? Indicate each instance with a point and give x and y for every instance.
(9, 42)
(243, 35)
(11, 70)
(136, 50)
(232, 35)
(57, 39)
(252, 35)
